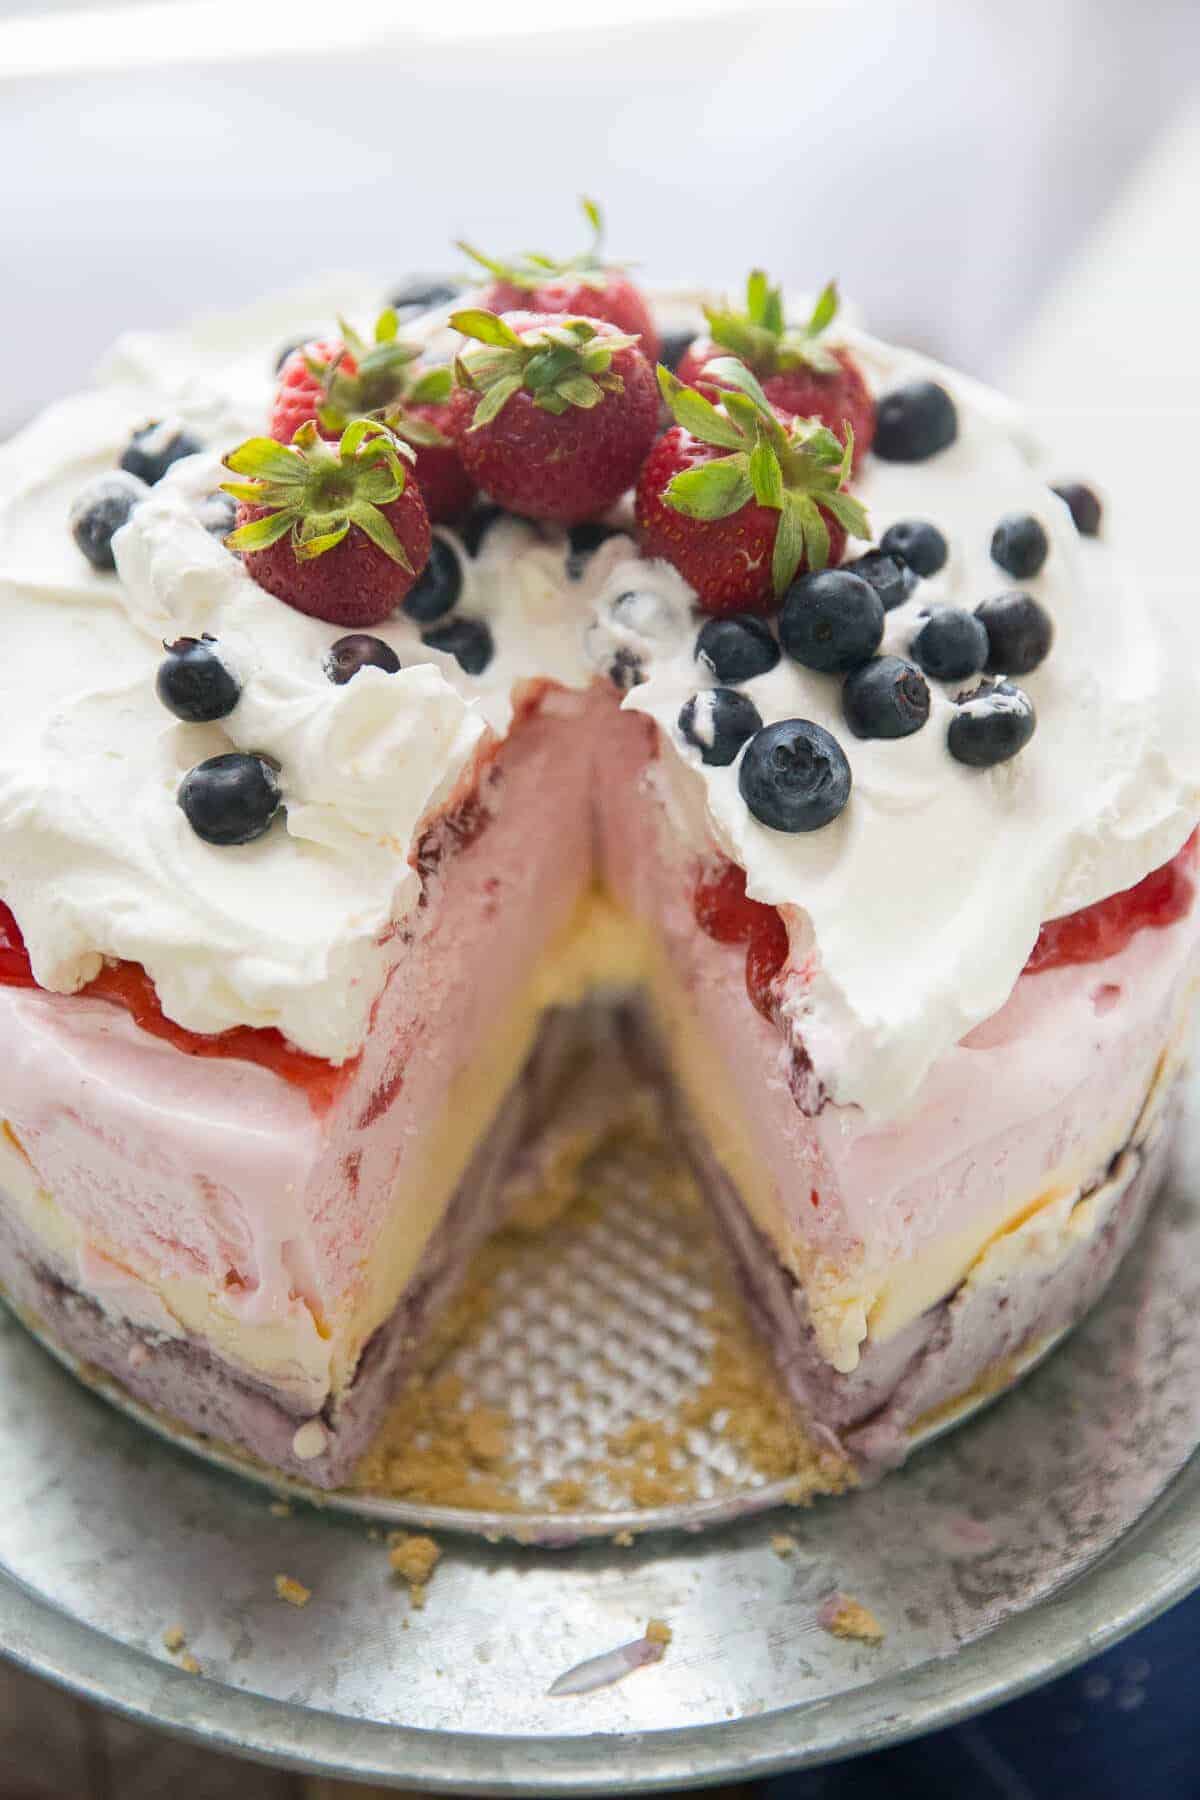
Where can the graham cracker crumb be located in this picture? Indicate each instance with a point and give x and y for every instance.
(624, 1540)
(293, 1591)
(658, 1632)
(566, 1493)
(844, 1617)
(188, 1663)
(782, 1544)
(487, 1434)
(414, 1560)
(280, 1509)
(174, 1638)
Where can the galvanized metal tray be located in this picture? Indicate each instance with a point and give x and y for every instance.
(1048, 1527)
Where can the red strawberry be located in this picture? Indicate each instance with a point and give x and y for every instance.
(798, 372)
(336, 380)
(743, 497)
(427, 427)
(583, 285)
(336, 531)
(552, 416)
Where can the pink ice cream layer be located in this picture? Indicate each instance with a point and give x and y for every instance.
(220, 1171)
(1026, 1095)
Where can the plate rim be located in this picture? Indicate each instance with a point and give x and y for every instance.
(1154, 1565)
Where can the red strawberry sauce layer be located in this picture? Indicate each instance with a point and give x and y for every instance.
(128, 985)
(725, 912)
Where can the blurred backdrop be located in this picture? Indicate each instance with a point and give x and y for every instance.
(946, 161)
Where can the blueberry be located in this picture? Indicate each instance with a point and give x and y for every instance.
(230, 799)
(469, 641)
(585, 540)
(1019, 630)
(217, 513)
(1085, 507)
(718, 722)
(477, 524)
(151, 451)
(438, 589)
(831, 621)
(193, 682)
(99, 512)
(794, 776)
(914, 421)
(358, 651)
(917, 544)
(1020, 545)
(993, 722)
(886, 698)
(890, 578)
(951, 644)
(674, 345)
(736, 647)
(625, 671)
(419, 293)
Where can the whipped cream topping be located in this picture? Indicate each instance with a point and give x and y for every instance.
(96, 859)
(910, 917)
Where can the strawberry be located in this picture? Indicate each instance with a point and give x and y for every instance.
(336, 531)
(742, 497)
(583, 285)
(552, 416)
(336, 380)
(798, 372)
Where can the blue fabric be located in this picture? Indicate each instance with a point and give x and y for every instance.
(1124, 1727)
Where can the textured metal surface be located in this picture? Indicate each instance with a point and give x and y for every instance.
(1018, 1544)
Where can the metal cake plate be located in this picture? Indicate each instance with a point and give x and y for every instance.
(1041, 1531)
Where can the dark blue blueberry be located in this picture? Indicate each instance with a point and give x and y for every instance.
(421, 292)
(1020, 545)
(230, 799)
(794, 776)
(99, 513)
(585, 539)
(193, 682)
(477, 524)
(951, 644)
(886, 698)
(718, 722)
(468, 641)
(1085, 507)
(151, 451)
(674, 344)
(1020, 632)
(913, 422)
(831, 621)
(736, 647)
(917, 544)
(217, 513)
(890, 578)
(438, 588)
(359, 650)
(285, 350)
(625, 671)
(992, 723)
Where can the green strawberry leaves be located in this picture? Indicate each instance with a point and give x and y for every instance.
(559, 366)
(797, 469)
(381, 374)
(760, 336)
(531, 270)
(314, 490)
